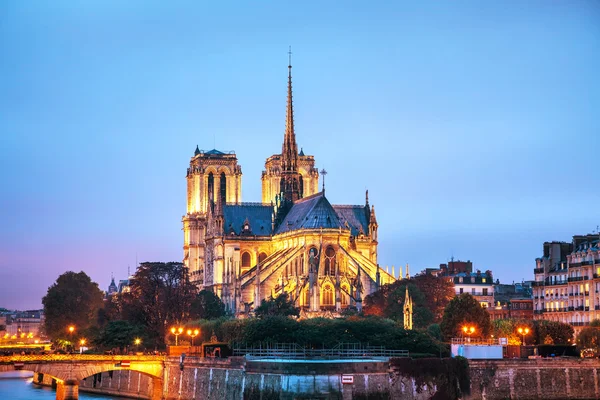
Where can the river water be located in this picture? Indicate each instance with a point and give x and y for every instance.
(18, 385)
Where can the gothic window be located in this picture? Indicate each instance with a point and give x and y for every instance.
(223, 188)
(327, 295)
(211, 186)
(246, 260)
(329, 261)
(305, 297)
(262, 257)
(312, 259)
(301, 182)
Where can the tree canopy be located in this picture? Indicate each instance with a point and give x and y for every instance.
(589, 337)
(430, 295)
(73, 300)
(160, 295)
(465, 310)
(207, 305)
(282, 305)
(121, 334)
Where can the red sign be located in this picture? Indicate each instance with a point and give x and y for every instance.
(125, 364)
(347, 379)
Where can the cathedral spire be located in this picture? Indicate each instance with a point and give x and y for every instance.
(290, 185)
(289, 152)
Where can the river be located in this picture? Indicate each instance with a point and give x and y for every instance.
(19, 385)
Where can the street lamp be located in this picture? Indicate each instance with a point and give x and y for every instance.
(523, 332)
(81, 343)
(176, 332)
(469, 330)
(193, 334)
(137, 342)
(71, 329)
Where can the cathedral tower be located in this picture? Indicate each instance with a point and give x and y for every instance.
(292, 173)
(212, 177)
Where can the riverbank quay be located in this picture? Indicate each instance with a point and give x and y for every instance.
(238, 378)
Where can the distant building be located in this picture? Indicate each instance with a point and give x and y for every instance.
(567, 281)
(24, 324)
(512, 301)
(479, 284)
(112, 288)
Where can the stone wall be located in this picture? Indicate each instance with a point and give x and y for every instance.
(551, 378)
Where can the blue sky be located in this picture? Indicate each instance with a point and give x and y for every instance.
(474, 126)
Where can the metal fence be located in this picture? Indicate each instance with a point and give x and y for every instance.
(294, 351)
(476, 341)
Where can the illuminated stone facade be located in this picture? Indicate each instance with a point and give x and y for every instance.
(324, 256)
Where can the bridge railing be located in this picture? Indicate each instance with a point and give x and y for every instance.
(77, 357)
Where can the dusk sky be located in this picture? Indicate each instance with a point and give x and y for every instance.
(474, 125)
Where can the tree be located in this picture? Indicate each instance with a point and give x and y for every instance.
(282, 305)
(72, 300)
(440, 291)
(509, 329)
(121, 334)
(388, 302)
(589, 337)
(160, 295)
(552, 332)
(207, 305)
(465, 310)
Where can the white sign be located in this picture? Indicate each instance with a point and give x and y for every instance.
(347, 379)
(503, 341)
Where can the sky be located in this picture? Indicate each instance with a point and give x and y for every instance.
(474, 125)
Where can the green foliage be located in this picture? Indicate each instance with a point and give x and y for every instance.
(508, 328)
(388, 301)
(72, 300)
(552, 332)
(282, 305)
(207, 305)
(435, 331)
(450, 376)
(540, 331)
(161, 296)
(321, 332)
(121, 334)
(465, 310)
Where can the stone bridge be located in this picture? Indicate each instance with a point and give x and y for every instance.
(68, 370)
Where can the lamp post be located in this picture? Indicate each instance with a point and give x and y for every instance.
(193, 334)
(71, 329)
(523, 332)
(137, 342)
(469, 330)
(176, 332)
(81, 343)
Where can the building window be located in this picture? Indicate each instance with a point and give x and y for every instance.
(327, 295)
(262, 257)
(485, 292)
(473, 291)
(223, 188)
(460, 280)
(211, 187)
(329, 261)
(246, 260)
(344, 294)
(460, 291)
(483, 280)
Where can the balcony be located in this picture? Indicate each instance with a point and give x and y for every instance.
(596, 276)
(580, 323)
(563, 309)
(597, 307)
(538, 270)
(578, 278)
(538, 311)
(587, 293)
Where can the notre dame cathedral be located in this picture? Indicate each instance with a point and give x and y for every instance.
(324, 256)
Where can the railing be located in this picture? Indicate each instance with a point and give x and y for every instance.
(578, 278)
(294, 351)
(561, 309)
(475, 341)
(538, 311)
(76, 357)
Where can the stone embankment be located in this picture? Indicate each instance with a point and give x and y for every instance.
(238, 379)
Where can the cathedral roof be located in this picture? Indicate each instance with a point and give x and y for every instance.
(214, 152)
(355, 216)
(257, 215)
(311, 212)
